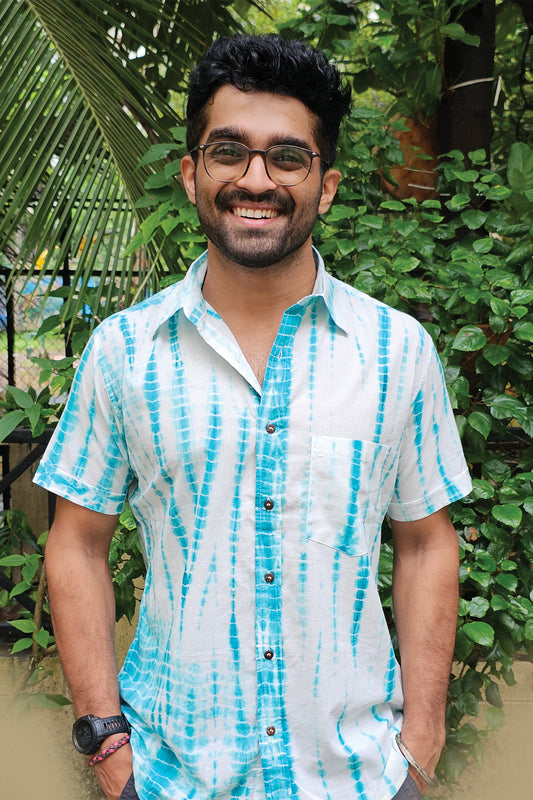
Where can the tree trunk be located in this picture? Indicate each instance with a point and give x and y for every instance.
(464, 116)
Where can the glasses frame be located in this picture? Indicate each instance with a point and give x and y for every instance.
(252, 152)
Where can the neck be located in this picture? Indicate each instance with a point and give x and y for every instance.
(259, 293)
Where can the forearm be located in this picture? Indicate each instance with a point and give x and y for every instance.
(425, 596)
(83, 615)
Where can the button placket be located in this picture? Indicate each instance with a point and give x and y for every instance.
(270, 469)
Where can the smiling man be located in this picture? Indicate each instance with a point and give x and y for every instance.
(261, 418)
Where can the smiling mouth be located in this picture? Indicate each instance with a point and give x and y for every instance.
(255, 213)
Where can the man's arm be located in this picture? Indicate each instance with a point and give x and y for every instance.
(425, 596)
(83, 614)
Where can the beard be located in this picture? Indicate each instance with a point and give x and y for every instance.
(256, 248)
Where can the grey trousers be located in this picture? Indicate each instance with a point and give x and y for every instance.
(129, 793)
(408, 790)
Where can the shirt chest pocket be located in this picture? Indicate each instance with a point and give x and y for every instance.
(348, 493)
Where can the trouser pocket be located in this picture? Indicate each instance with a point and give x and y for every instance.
(408, 790)
(129, 793)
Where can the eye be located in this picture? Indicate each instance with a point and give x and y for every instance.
(225, 152)
(289, 158)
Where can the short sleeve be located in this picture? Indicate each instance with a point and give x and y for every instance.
(432, 471)
(86, 460)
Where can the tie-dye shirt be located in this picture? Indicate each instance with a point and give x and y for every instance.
(262, 665)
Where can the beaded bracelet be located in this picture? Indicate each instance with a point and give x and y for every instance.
(420, 771)
(109, 751)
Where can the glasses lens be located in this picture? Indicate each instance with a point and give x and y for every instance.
(288, 164)
(226, 161)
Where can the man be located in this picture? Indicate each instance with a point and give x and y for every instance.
(261, 418)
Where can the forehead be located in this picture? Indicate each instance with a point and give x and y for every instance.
(259, 118)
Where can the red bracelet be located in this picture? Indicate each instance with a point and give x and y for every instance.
(109, 751)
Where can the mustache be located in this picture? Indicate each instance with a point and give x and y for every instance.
(280, 202)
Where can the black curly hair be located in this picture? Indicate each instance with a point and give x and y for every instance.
(269, 63)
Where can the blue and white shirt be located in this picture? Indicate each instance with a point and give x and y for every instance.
(262, 666)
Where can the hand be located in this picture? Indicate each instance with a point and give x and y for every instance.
(425, 747)
(114, 772)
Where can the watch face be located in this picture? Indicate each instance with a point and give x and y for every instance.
(83, 737)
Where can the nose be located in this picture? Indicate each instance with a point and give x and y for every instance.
(256, 179)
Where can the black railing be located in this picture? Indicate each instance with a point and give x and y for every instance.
(10, 474)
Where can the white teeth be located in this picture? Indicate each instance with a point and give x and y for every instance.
(255, 213)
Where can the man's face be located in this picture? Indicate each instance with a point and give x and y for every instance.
(228, 212)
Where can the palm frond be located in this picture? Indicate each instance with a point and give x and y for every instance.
(84, 90)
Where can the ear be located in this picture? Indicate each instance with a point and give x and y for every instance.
(188, 171)
(329, 189)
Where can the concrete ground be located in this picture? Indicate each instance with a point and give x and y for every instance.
(38, 761)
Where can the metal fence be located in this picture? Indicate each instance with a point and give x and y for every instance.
(21, 316)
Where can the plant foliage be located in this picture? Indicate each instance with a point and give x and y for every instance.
(460, 262)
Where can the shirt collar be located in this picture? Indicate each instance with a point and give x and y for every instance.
(187, 295)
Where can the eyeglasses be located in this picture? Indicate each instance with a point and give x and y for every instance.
(285, 164)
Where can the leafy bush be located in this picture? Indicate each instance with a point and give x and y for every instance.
(461, 263)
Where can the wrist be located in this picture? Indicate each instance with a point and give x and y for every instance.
(109, 750)
(89, 732)
(419, 771)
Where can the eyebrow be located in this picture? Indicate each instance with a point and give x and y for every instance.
(240, 135)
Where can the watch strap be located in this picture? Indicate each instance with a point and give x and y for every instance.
(109, 725)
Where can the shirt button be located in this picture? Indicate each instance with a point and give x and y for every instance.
(269, 577)
(269, 654)
(269, 504)
(270, 428)
(271, 730)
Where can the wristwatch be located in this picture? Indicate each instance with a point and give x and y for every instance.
(89, 732)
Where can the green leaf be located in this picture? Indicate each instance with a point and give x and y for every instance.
(473, 218)
(479, 632)
(393, 205)
(522, 296)
(21, 398)
(483, 245)
(454, 762)
(496, 353)
(483, 578)
(467, 175)
(43, 638)
(371, 221)
(492, 693)
(508, 566)
(34, 416)
(158, 152)
(495, 717)
(9, 421)
(19, 588)
(478, 607)
(482, 489)
(480, 422)
(508, 515)
(51, 700)
(453, 29)
(458, 201)
(23, 625)
(463, 646)
(339, 212)
(22, 644)
(467, 702)
(14, 560)
(469, 338)
(507, 580)
(499, 603)
(523, 330)
(485, 561)
(520, 167)
(528, 629)
(505, 406)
